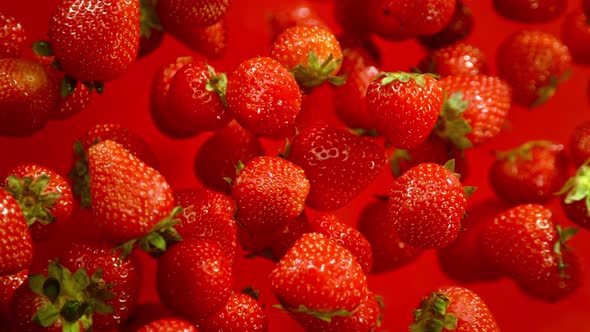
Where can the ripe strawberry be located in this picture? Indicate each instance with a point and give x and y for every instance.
(352, 15)
(8, 285)
(16, 253)
(576, 36)
(575, 197)
(312, 53)
(530, 11)
(579, 144)
(586, 6)
(318, 277)
(219, 155)
(263, 97)
(533, 63)
(12, 37)
(389, 252)
(300, 13)
(332, 227)
(269, 192)
(43, 195)
(454, 309)
(151, 32)
(475, 110)
(124, 276)
(145, 313)
(399, 101)
(458, 28)
(437, 193)
(210, 41)
(241, 313)
(77, 37)
(28, 97)
(530, 173)
(168, 325)
(455, 59)
(134, 143)
(130, 200)
(351, 161)
(194, 279)
(190, 13)
(404, 19)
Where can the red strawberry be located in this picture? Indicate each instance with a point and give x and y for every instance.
(332, 227)
(300, 13)
(219, 155)
(16, 253)
(144, 314)
(575, 197)
(530, 173)
(312, 53)
(124, 276)
(338, 164)
(579, 143)
(586, 5)
(12, 37)
(43, 195)
(8, 285)
(352, 15)
(400, 101)
(264, 97)
(403, 19)
(76, 34)
(454, 309)
(318, 277)
(475, 110)
(168, 325)
(190, 13)
(130, 200)
(389, 252)
(28, 97)
(151, 33)
(437, 193)
(269, 192)
(211, 41)
(530, 11)
(458, 28)
(456, 59)
(194, 279)
(576, 36)
(533, 63)
(241, 313)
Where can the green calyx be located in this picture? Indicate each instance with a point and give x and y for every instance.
(217, 83)
(451, 126)
(157, 240)
(545, 93)
(564, 234)
(433, 316)
(80, 176)
(250, 291)
(578, 187)
(35, 202)
(71, 297)
(42, 48)
(395, 160)
(401, 76)
(315, 73)
(149, 18)
(325, 316)
(450, 166)
(522, 152)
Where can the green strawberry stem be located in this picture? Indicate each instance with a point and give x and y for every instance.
(35, 203)
(315, 73)
(565, 234)
(80, 176)
(433, 316)
(578, 186)
(325, 316)
(218, 84)
(545, 93)
(522, 152)
(451, 126)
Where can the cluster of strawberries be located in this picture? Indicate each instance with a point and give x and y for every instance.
(422, 123)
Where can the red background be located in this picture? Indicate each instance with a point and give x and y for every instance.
(125, 101)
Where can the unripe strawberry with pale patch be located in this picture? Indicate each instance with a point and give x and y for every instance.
(530, 11)
(437, 193)
(16, 251)
(191, 13)
(456, 59)
(575, 196)
(458, 28)
(241, 313)
(404, 106)
(576, 36)
(12, 37)
(168, 325)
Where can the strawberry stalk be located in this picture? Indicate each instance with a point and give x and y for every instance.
(218, 84)
(35, 203)
(433, 316)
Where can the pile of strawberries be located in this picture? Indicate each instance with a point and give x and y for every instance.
(309, 165)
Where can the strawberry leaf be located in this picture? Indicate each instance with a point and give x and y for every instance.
(314, 73)
(80, 176)
(68, 85)
(522, 152)
(46, 315)
(42, 48)
(433, 316)
(394, 162)
(250, 291)
(51, 288)
(578, 187)
(36, 282)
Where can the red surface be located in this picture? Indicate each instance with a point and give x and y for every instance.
(126, 101)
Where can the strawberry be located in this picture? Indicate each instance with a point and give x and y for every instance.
(576, 36)
(389, 252)
(579, 143)
(475, 110)
(530, 11)
(12, 37)
(145, 313)
(586, 6)
(124, 276)
(398, 101)
(453, 309)
(575, 198)
(332, 227)
(134, 143)
(404, 19)
(17, 248)
(130, 201)
(352, 163)
(530, 173)
(28, 97)
(168, 325)
(458, 28)
(533, 63)
(43, 195)
(352, 15)
(76, 35)
(191, 13)
(263, 97)
(241, 313)
(455, 59)
(210, 41)
(318, 277)
(219, 155)
(194, 279)
(312, 53)
(300, 13)
(8, 285)
(151, 32)
(437, 193)
(269, 192)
